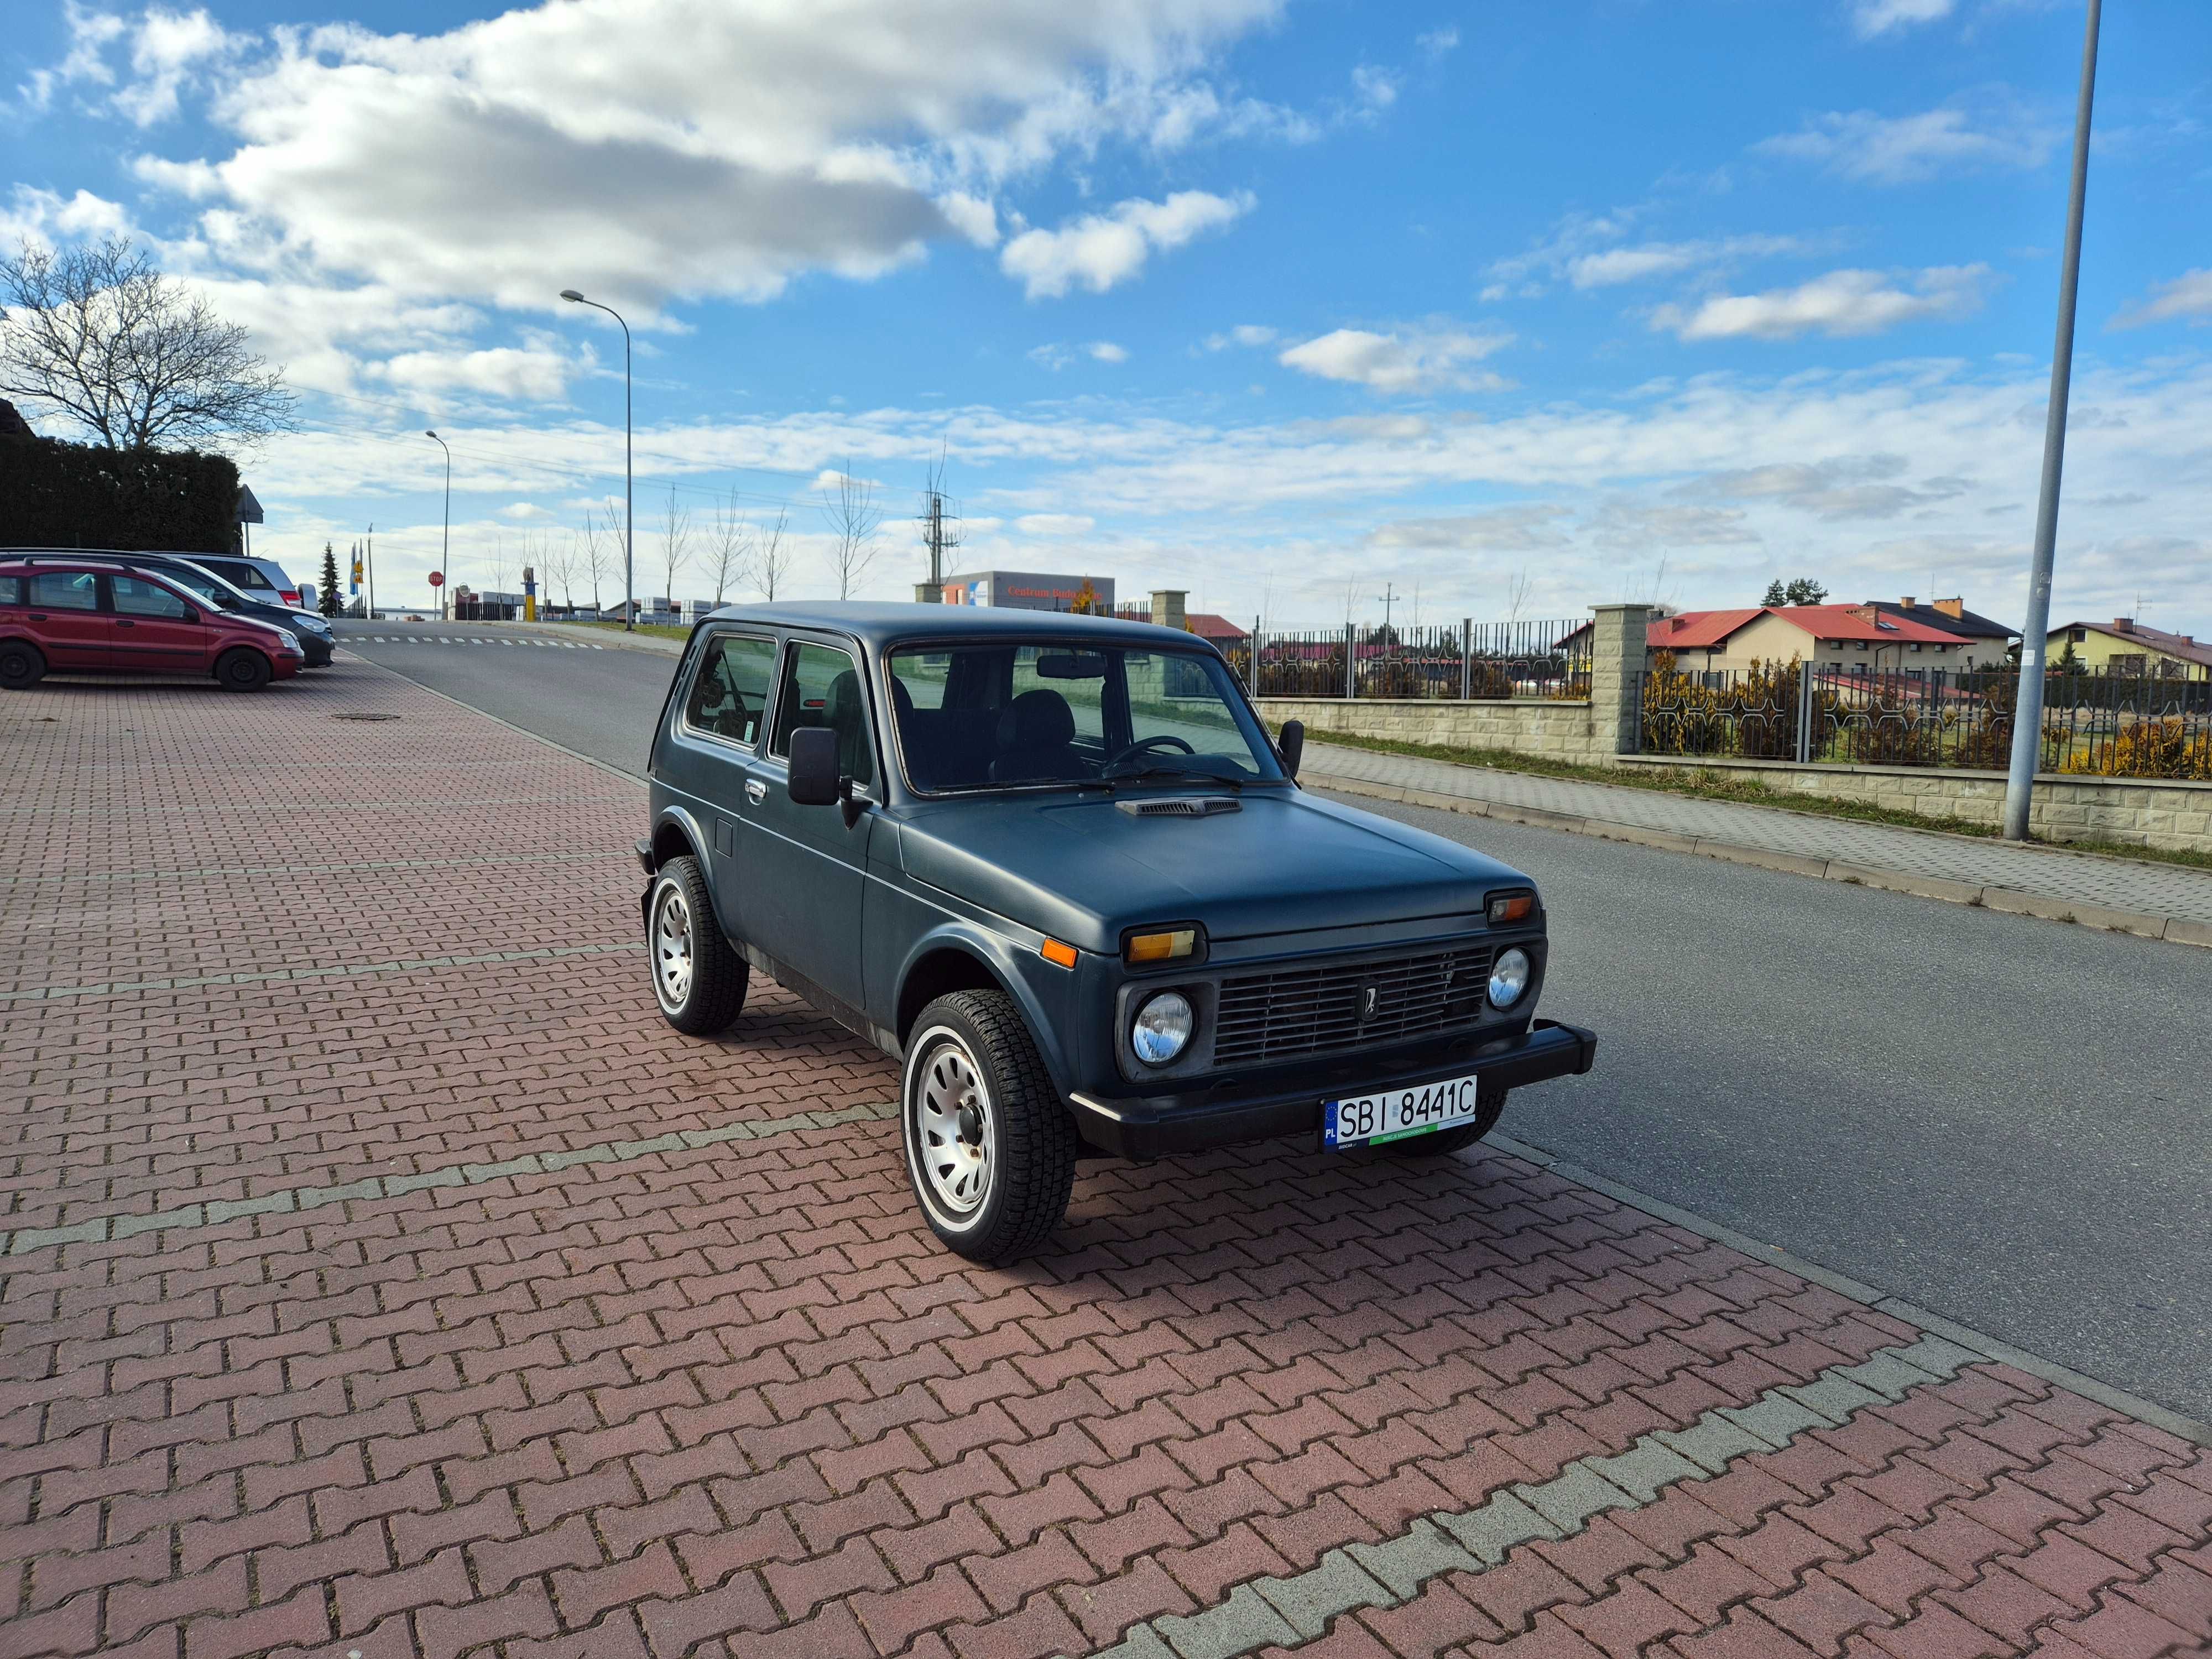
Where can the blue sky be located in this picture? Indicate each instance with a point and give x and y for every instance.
(1276, 302)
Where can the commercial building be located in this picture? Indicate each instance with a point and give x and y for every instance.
(1029, 590)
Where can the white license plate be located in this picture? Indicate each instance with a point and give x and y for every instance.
(1364, 1120)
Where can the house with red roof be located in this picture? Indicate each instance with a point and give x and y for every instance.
(1836, 639)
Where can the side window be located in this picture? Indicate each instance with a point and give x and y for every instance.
(729, 694)
(136, 598)
(11, 590)
(822, 687)
(239, 573)
(66, 590)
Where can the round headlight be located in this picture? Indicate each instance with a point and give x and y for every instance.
(1509, 978)
(1161, 1029)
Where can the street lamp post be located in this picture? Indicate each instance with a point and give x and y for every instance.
(629, 489)
(2035, 629)
(445, 541)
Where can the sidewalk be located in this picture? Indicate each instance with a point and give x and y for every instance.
(2161, 901)
(400, 1286)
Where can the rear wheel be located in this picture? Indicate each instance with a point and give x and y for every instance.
(243, 669)
(990, 1149)
(22, 665)
(1489, 1105)
(697, 979)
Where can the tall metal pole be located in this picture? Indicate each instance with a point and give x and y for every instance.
(2035, 630)
(629, 488)
(446, 540)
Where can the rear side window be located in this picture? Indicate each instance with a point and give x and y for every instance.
(66, 590)
(11, 590)
(822, 687)
(239, 573)
(729, 694)
(138, 597)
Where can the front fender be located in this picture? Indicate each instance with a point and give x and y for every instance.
(1047, 1003)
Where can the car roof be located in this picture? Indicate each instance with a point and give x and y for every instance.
(881, 623)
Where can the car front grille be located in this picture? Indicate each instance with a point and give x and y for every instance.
(1291, 1011)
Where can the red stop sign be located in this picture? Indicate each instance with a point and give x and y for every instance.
(437, 579)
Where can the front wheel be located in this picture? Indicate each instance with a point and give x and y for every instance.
(242, 670)
(990, 1149)
(22, 665)
(1489, 1106)
(697, 979)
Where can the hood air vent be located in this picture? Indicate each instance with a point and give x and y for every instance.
(1179, 807)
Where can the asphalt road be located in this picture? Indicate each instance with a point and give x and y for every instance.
(2001, 1119)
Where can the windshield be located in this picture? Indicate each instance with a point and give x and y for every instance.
(985, 716)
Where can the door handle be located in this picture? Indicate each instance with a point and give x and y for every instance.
(119, 623)
(756, 791)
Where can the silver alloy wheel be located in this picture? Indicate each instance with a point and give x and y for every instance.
(949, 1126)
(672, 946)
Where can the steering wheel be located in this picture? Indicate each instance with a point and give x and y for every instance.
(1145, 745)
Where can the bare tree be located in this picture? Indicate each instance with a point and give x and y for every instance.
(675, 545)
(500, 567)
(772, 558)
(132, 357)
(729, 545)
(1516, 594)
(849, 505)
(557, 563)
(591, 558)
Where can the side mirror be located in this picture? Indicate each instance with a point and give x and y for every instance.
(1292, 742)
(814, 780)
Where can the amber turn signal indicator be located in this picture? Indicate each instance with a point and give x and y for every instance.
(1053, 949)
(1515, 907)
(1160, 947)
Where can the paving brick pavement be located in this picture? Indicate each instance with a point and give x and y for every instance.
(458, 1307)
(2142, 887)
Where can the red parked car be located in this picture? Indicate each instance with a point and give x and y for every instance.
(86, 615)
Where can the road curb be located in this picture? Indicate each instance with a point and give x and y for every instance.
(1871, 1296)
(613, 638)
(2177, 930)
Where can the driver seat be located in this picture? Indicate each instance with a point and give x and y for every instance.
(1036, 740)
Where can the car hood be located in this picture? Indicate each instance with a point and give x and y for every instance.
(1081, 869)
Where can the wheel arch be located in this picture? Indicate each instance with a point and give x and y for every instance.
(676, 834)
(959, 956)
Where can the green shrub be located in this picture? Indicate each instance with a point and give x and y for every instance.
(64, 495)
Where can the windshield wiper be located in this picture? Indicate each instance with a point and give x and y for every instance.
(1147, 773)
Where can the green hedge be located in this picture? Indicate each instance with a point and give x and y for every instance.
(64, 495)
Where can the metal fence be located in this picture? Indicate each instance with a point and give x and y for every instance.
(2097, 724)
(1473, 660)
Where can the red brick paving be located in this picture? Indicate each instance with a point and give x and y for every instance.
(735, 1400)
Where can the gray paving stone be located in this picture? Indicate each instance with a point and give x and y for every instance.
(1777, 1420)
(1333, 1585)
(1889, 1374)
(1402, 1564)
(1238, 1626)
(1940, 1355)
(1834, 1397)
(1645, 1469)
(1493, 1529)
(1712, 1441)
(1573, 1496)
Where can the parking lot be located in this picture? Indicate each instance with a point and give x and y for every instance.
(382, 1276)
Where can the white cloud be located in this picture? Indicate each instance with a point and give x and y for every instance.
(1836, 488)
(1099, 249)
(1435, 43)
(1841, 303)
(1871, 18)
(1376, 89)
(2189, 295)
(1054, 524)
(1649, 260)
(168, 50)
(90, 35)
(1244, 334)
(1635, 524)
(1106, 351)
(1531, 527)
(1881, 149)
(42, 216)
(773, 139)
(1413, 360)
(1056, 356)
(537, 376)
(528, 513)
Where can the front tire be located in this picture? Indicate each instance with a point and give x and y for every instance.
(1489, 1107)
(990, 1149)
(697, 979)
(242, 670)
(22, 665)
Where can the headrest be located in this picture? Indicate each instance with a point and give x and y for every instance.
(902, 700)
(1036, 719)
(845, 709)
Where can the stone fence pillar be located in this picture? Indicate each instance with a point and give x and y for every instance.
(1169, 609)
(1617, 663)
